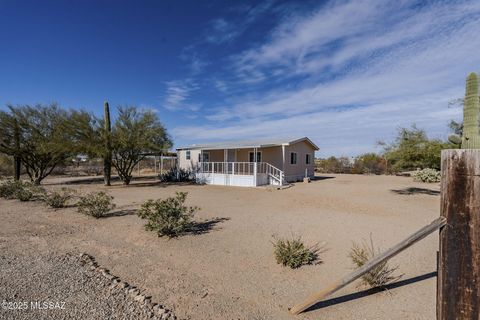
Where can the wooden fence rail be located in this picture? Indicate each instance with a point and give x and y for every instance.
(372, 263)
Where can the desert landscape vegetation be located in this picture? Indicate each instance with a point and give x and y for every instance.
(203, 251)
(379, 218)
(226, 269)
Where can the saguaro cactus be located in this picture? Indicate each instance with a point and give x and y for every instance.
(470, 138)
(471, 113)
(107, 158)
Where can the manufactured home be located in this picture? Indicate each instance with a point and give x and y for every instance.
(250, 163)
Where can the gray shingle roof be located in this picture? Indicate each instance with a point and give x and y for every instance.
(247, 144)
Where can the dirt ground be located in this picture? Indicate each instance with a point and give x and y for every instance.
(228, 271)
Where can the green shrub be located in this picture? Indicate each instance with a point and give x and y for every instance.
(24, 194)
(24, 191)
(59, 199)
(293, 253)
(96, 204)
(378, 276)
(8, 188)
(168, 217)
(177, 175)
(427, 175)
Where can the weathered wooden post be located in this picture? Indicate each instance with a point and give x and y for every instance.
(458, 294)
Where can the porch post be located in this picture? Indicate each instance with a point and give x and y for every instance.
(283, 164)
(225, 161)
(255, 167)
(233, 163)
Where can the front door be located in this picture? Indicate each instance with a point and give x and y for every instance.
(231, 156)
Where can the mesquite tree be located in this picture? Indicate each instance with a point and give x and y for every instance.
(135, 135)
(35, 135)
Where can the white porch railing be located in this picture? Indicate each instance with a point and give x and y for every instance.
(243, 168)
(274, 172)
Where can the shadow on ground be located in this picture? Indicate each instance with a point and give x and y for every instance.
(121, 213)
(205, 226)
(413, 190)
(97, 180)
(318, 178)
(368, 292)
(146, 181)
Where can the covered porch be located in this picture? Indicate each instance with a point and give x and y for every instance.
(244, 167)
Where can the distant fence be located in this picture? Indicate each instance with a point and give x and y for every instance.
(151, 165)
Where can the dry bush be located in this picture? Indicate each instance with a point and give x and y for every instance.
(379, 276)
(21, 190)
(24, 194)
(8, 188)
(177, 175)
(168, 217)
(96, 204)
(60, 198)
(293, 253)
(427, 175)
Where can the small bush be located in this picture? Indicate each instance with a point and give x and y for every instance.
(59, 199)
(24, 194)
(427, 175)
(293, 253)
(9, 188)
(96, 204)
(24, 191)
(378, 276)
(177, 175)
(169, 217)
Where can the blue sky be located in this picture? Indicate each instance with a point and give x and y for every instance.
(344, 73)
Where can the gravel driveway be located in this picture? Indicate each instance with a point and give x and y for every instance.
(60, 286)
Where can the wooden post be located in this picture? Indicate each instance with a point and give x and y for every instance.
(458, 295)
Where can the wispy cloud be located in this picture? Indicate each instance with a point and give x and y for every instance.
(348, 31)
(350, 72)
(224, 30)
(178, 96)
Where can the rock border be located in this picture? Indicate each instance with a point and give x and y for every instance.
(130, 291)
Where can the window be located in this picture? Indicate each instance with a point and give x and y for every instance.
(307, 159)
(206, 157)
(293, 158)
(259, 156)
(188, 155)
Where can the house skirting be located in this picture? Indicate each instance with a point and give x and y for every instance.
(237, 180)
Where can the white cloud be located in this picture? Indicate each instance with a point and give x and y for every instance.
(370, 66)
(178, 96)
(343, 30)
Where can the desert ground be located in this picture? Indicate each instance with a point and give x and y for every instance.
(226, 270)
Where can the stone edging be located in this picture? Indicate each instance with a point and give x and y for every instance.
(131, 292)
